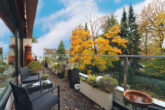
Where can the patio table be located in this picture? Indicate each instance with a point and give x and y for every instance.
(41, 85)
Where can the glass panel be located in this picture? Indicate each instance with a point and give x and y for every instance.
(6, 72)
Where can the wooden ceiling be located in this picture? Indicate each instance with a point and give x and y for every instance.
(19, 14)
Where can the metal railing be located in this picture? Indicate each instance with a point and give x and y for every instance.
(132, 71)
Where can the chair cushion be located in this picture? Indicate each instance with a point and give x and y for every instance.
(45, 102)
(30, 79)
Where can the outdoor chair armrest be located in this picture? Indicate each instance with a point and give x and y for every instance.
(50, 90)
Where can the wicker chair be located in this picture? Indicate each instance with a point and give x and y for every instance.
(44, 100)
(27, 76)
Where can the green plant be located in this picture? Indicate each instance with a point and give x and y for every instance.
(58, 68)
(150, 89)
(155, 68)
(2, 69)
(82, 78)
(92, 80)
(35, 66)
(107, 84)
(45, 76)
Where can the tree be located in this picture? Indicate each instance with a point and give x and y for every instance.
(110, 22)
(133, 34)
(124, 29)
(82, 43)
(146, 39)
(61, 49)
(133, 37)
(34, 40)
(153, 16)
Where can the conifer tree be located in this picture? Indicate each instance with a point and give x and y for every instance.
(133, 37)
(111, 21)
(61, 49)
(124, 29)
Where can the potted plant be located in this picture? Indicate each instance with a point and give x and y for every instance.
(58, 69)
(2, 77)
(45, 76)
(73, 77)
(35, 66)
(2, 69)
(100, 92)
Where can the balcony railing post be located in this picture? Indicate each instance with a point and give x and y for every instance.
(79, 61)
(125, 72)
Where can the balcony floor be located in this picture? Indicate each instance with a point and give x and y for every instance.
(70, 98)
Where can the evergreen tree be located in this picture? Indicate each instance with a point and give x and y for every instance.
(86, 26)
(111, 21)
(61, 49)
(124, 30)
(133, 34)
(134, 37)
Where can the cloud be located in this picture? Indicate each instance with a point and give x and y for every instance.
(137, 9)
(117, 1)
(4, 31)
(74, 13)
(4, 37)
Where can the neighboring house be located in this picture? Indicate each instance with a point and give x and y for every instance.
(49, 52)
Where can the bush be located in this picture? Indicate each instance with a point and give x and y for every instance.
(45, 76)
(82, 78)
(35, 66)
(155, 67)
(149, 89)
(2, 69)
(107, 84)
(58, 68)
(92, 80)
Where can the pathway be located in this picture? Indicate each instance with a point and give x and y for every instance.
(70, 98)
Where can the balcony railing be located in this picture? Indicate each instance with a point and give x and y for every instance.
(143, 73)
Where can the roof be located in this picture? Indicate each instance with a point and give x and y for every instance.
(24, 11)
(49, 51)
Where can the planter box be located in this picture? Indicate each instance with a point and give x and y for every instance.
(105, 100)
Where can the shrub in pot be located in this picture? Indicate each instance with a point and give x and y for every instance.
(61, 74)
(59, 70)
(35, 66)
(45, 76)
(100, 91)
(73, 77)
(92, 81)
(107, 84)
(2, 69)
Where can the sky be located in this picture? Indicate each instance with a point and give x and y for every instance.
(55, 20)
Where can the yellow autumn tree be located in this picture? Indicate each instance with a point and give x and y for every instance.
(82, 43)
(152, 26)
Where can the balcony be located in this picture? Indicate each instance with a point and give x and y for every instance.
(144, 78)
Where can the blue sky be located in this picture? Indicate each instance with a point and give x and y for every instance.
(56, 19)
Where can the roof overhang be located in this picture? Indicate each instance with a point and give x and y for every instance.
(19, 14)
